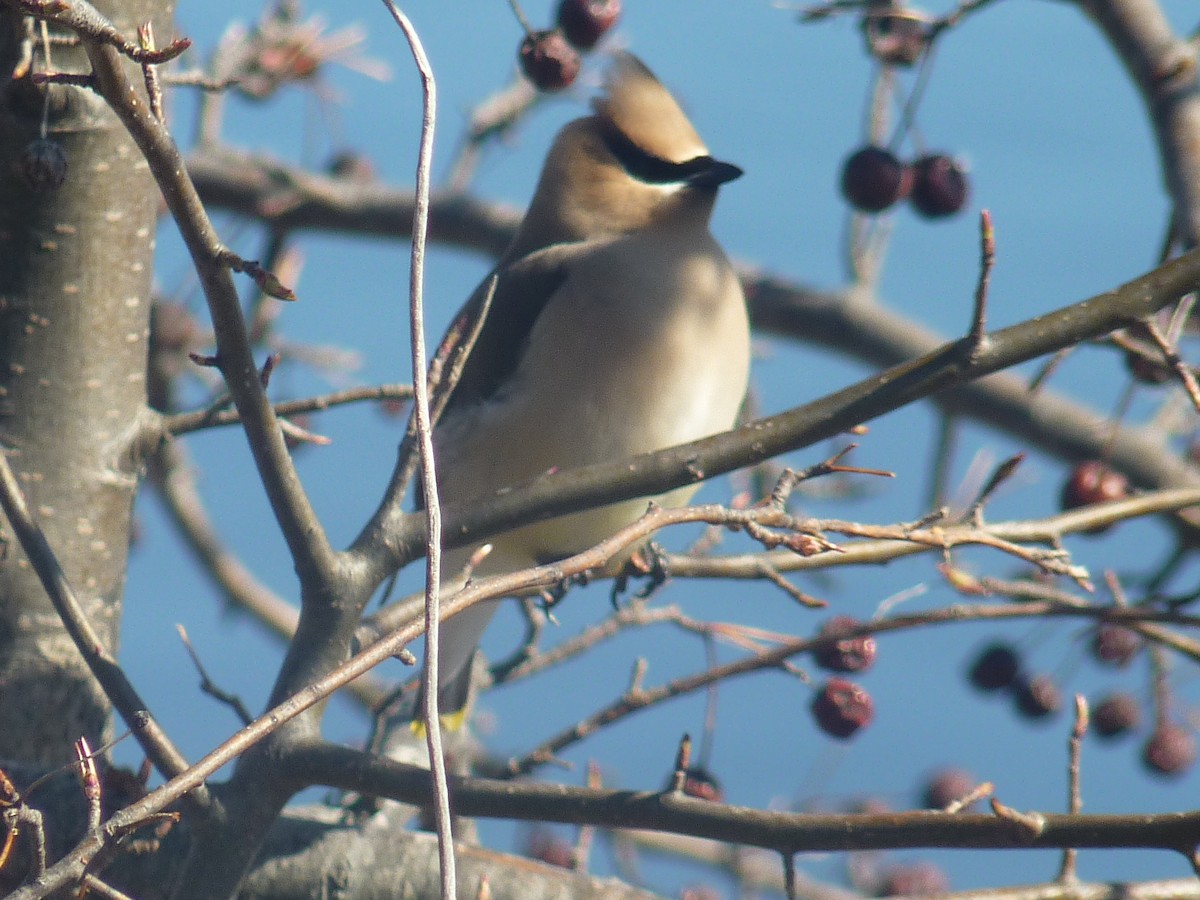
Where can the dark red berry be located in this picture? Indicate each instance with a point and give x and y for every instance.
(844, 654)
(895, 39)
(1115, 715)
(548, 60)
(1091, 482)
(1037, 697)
(1115, 645)
(947, 786)
(842, 707)
(940, 186)
(874, 179)
(1171, 750)
(584, 22)
(996, 668)
(915, 879)
(43, 165)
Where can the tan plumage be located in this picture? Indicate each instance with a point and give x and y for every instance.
(617, 327)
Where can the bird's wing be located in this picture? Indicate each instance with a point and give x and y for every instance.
(523, 288)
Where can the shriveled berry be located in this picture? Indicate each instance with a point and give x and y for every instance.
(1171, 750)
(915, 879)
(584, 22)
(43, 165)
(1037, 697)
(1091, 482)
(874, 179)
(1115, 715)
(947, 786)
(1115, 645)
(842, 707)
(996, 667)
(844, 654)
(895, 39)
(548, 60)
(939, 187)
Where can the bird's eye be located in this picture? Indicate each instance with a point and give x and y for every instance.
(648, 167)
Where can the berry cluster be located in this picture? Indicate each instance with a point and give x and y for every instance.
(874, 179)
(841, 707)
(1170, 749)
(550, 59)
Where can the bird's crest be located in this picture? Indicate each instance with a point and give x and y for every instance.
(642, 110)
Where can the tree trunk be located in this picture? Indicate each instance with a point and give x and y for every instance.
(75, 280)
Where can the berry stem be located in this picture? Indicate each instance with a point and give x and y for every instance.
(520, 14)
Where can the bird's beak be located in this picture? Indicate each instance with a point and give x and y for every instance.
(715, 174)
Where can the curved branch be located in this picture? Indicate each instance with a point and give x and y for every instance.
(838, 320)
(381, 548)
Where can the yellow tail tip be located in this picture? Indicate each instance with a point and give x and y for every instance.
(450, 722)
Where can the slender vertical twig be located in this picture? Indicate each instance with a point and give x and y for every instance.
(1066, 872)
(433, 516)
(977, 336)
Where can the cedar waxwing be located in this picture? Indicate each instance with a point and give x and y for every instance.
(617, 326)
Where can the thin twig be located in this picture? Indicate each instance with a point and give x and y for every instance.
(433, 511)
(1066, 872)
(210, 687)
(977, 336)
(1182, 370)
(185, 423)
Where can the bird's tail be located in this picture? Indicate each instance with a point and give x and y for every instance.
(459, 638)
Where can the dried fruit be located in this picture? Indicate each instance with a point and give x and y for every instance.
(996, 667)
(1115, 645)
(947, 786)
(915, 879)
(874, 179)
(842, 707)
(548, 60)
(1115, 715)
(1091, 482)
(1171, 750)
(1037, 697)
(43, 165)
(584, 22)
(845, 654)
(939, 187)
